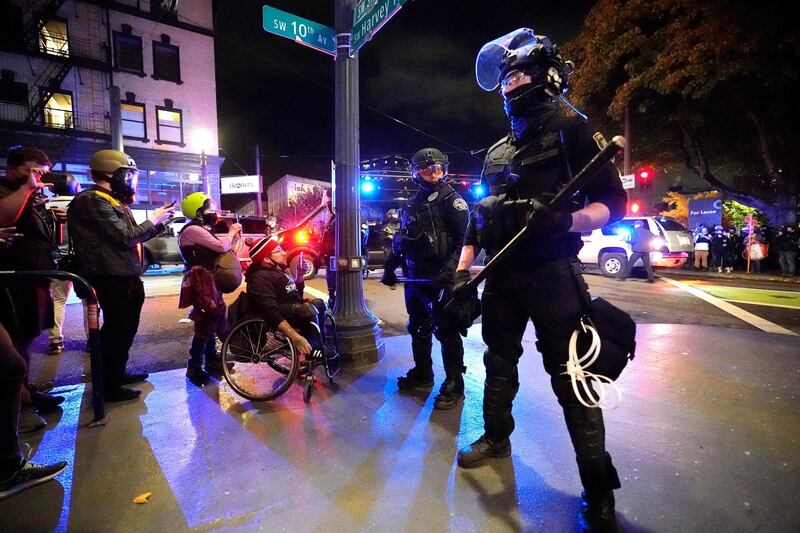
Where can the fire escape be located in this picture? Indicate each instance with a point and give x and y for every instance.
(51, 77)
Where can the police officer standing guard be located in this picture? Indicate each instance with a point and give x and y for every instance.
(432, 227)
(541, 281)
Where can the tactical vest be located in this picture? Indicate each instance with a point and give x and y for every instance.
(196, 255)
(538, 169)
(423, 235)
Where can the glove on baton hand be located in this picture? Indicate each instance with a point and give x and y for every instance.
(460, 291)
(545, 221)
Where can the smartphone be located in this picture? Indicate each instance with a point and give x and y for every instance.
(171, 204)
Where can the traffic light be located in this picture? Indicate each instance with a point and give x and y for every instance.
(644, 176)
(634, 208)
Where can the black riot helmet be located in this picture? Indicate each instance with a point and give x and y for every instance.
(426, 158)
(528, 52)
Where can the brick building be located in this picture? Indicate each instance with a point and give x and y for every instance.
(58, 60)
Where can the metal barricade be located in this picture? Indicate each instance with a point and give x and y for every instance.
(85, 292)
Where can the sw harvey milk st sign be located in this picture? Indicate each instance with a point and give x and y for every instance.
(370, 16)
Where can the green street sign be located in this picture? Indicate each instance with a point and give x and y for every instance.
(370, 16)
(300, 30)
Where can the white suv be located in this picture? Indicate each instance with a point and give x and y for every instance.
(608, 246)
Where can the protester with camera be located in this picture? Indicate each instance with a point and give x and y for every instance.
(25, 305)
(108, 251)
(201, 249)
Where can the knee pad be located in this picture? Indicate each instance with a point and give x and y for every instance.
(500, 366)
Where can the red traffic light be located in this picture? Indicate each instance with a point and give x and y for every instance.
(635, 207)
(645, 175)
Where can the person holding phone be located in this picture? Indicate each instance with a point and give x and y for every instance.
(200, 249)
(108, 248)
(25, 306)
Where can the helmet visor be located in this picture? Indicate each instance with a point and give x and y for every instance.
(426, 171)
(490, 57)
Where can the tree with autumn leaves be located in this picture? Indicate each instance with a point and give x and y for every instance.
(707, 84)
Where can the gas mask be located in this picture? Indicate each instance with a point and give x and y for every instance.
(123, 184)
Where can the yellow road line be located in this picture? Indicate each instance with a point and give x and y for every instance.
(741, 314)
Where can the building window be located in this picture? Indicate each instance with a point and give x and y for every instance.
(12, 26)
(170, 125)
(11, 91)
(128, 52)
(53, 38)
(58, 111)
(166, 62)
(134, 125)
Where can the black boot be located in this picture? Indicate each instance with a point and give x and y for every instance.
(214, 359)
(421, 376)
(194, 368)
(597, 513)
(484, 448)
(416, 379)
(451, 393)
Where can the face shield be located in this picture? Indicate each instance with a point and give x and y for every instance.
(490, 57)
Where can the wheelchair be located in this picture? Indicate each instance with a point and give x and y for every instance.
(260, 363)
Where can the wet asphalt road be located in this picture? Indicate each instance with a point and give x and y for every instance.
(163, 338)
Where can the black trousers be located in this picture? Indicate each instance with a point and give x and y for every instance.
(549, 296)
(422, 325)
(121, 299)
(12, 375)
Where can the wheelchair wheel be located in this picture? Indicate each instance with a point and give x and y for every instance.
(264, 361)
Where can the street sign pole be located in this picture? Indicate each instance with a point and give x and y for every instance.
(359, 335)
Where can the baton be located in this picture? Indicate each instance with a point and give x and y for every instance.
(580, 180)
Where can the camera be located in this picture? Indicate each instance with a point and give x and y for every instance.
(62, 184)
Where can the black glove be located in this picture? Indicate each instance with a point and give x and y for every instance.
(444, 278)
(460, 291)
(465, 313)
(545, 221)
(389, 278)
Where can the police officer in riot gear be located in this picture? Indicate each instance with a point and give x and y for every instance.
(428, 243)
(523, 172)
(389, 229)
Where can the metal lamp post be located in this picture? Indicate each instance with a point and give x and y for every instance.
(359, 335)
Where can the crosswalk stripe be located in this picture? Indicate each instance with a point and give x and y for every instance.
(741, 314)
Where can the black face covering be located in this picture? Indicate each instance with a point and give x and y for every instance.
(121, 188)
(210, 219)
(528, 107)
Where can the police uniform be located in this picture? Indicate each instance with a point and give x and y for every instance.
(427, 245)
(541, 281)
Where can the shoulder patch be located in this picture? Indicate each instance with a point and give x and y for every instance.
(600, 140)
(460, 204)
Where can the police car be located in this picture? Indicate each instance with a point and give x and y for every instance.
(608, 248)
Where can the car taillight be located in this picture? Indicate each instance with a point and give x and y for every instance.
(301, 236)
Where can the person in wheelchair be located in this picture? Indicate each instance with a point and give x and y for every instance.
(277, 296)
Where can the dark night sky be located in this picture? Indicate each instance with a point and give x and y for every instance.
(419, 68)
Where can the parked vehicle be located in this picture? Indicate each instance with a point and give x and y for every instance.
(163, 249)
(608, 247)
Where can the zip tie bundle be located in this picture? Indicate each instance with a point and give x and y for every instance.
(576, 368)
